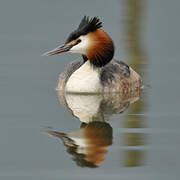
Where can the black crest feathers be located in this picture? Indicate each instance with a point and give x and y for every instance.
(86, 25)
(89, 25)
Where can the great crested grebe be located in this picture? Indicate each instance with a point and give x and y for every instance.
(97, 71)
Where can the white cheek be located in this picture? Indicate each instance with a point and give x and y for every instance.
(81, 47)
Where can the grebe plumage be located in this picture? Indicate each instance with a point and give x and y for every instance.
(97, 71)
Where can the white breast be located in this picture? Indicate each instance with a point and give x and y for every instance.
(85, 79)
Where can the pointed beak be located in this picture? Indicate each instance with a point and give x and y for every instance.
(58, 50)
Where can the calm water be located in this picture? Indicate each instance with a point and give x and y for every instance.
(136, 137)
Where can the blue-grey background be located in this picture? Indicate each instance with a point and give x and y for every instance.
(28, 98)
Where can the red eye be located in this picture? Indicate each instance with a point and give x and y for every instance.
(78, 41)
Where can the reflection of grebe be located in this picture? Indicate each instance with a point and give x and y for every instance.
(88, 144)
(97, 71)
(99, 107)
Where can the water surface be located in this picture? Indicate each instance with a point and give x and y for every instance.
(142, 142)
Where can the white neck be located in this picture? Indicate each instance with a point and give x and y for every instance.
(84, 80)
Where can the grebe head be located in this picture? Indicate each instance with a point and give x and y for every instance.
(89, 40)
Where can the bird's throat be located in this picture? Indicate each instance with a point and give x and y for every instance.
(85, 80)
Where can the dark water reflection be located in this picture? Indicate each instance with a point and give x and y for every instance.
(88, 145)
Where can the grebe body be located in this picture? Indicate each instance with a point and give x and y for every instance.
(97, 71)
(116, 76)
